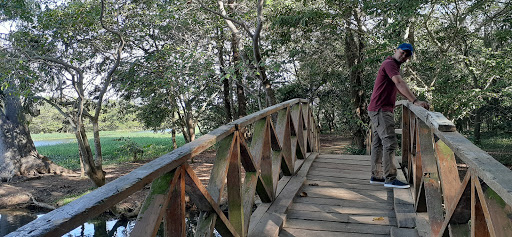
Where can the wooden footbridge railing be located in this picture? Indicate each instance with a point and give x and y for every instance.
(252, 152)
(465, 191)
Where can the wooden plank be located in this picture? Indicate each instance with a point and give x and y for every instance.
(258, 141)
(246, 156)
(344, 157)
(406, 139)
(338, 166)
(336, 226)
(459, 206)
(499, 212)
(345, 161)
(298, 165)
(207, 220)
(352, 194)
(175, 211)
(344, 203)
(431, 185)
(348, 171)
(478, 221)
(485, 208)
(273, 219)
(493, 173)
(449, 175)
(260, 148)
(248, 193)
(274, 141)
(363, 185)
(345, 174)
(284, 136)
(364, 210)
(417, 173)
(263, 207)
(434, 120)
(403, 232)
(296, 232)
(148, 224)
(234, 188)
(152, 208)
(340, 217)
(440, 122)
(351, 179)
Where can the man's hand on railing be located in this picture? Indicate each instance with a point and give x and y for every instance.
(423, 104)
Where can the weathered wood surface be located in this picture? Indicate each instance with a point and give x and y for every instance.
(493, 173)
(62, 220)
(435, 151)
(338, 200)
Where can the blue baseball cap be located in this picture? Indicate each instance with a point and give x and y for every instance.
(405, 47)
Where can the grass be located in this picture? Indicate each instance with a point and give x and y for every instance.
(113, 147)
(498, 146)
(71, 198)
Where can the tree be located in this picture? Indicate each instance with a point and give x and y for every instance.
(234, 23)
(70, 43)
(174, 76)
(18, 155)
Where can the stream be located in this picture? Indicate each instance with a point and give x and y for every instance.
(10, 220)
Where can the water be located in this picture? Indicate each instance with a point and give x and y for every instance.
(53, 142)
(10, 220)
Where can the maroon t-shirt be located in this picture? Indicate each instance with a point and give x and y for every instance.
(384, 90)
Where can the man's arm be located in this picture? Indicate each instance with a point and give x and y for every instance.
(404, 90)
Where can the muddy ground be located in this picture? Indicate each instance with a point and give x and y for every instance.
(36, 192)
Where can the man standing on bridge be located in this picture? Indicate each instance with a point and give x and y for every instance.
(380, 110)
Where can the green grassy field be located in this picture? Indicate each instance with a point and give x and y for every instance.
(498, 146)
(116, 146)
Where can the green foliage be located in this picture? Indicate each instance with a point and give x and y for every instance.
(353, 150)
(129, 147)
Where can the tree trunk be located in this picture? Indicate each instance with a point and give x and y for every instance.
(174, 145)
(18, 154)
(478, 126)
(95, 173)
(225, 81)
(270, 97)
(354, 50)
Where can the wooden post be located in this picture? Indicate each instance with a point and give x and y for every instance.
(175, 211)
(405, 137)
(283, 134)
(207, 220)
(430, 179)
(234, 181)
(478, 223)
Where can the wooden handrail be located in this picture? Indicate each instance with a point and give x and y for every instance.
(275, 144)
(476, 200)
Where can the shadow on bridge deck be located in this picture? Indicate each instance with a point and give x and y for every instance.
(336, 199)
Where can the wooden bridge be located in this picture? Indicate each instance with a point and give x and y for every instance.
(271, 177)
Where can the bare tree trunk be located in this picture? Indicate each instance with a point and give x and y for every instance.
(354, 54)
(478, 126)
(225, 81)
(174, 144)
(18, 154)
(95, 173)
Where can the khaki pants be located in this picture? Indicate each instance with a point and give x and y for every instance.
(384, 144)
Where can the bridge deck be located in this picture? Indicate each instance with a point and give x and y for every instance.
(338, 200)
